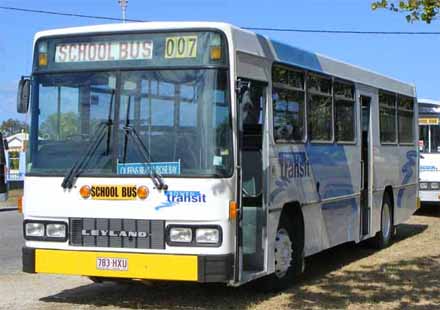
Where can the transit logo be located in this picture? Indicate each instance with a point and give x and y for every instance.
(294, 165)
(176, 197)
(185, 196)
(428, 168)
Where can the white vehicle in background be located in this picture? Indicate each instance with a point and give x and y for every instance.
(204, 152)
(3, 170)
(429, 146)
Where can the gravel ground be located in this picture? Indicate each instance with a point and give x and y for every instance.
(404, 276)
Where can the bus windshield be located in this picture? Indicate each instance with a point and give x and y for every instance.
(429, 128)
(429, 138)
(181, 116)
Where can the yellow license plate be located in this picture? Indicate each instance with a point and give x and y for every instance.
(113, 192)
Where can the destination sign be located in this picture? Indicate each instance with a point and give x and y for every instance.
(428, 121)
(104, 51)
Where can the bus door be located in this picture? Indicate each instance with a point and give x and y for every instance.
(365, 165)
(251, 222)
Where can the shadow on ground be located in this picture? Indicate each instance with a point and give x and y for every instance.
(335, 290)
(432, 210)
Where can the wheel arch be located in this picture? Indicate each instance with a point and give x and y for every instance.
(293, 211)
(390, 193)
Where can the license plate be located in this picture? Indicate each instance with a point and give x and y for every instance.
(112, 263)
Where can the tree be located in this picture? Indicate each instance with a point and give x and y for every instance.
(425, 10)
(13, 126)
(59, 129)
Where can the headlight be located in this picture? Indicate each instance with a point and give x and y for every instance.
(207, 235)
(434, 185)
(423, 185)
(34, 229)
(56, 230)
(45, 231)
(180, 234)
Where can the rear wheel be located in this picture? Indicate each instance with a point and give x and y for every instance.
(384, 236)
(288, 255)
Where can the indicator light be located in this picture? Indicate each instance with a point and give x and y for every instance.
(143, 192)
(85, 191)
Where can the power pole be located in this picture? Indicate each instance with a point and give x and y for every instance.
(123, 4)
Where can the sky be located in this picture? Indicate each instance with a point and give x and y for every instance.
(412, 59)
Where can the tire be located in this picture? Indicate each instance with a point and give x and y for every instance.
(287, 269)
(384, 237)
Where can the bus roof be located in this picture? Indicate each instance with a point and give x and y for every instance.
(428, 101)
(258, 45)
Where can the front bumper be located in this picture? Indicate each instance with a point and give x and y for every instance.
(429, 196)
(207, 268)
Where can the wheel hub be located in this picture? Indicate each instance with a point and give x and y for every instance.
(386, 221)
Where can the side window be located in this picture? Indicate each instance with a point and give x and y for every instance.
(288, 104)
(344, 114)
(387, 116)
(319, 121)
(406, 119)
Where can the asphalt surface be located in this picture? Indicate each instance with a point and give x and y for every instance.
(11, 241)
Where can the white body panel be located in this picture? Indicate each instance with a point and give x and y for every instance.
(429, 172)
(48, 201)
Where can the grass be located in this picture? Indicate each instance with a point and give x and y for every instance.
(403, 276)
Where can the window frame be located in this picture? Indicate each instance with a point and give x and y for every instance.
(396, 129)
(414, 102)
(331, 96)
(355, 114)
(289, 88)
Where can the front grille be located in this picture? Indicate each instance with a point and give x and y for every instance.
(117, 233)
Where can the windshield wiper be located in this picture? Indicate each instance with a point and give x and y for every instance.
(104, 128)
(142, 149)
(97, 138)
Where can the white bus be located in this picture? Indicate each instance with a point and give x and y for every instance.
(429, 146)
(204, 152)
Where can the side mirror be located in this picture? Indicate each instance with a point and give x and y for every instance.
(6, 145)
(24, 89)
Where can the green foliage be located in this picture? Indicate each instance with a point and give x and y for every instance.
(13, 126)
(425, 10)
(60, 129)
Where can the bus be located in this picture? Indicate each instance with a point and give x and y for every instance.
(3, 169)
(429, 147)
(199, 151)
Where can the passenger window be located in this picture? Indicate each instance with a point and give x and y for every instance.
(319, 121)
(387, 117)
(406, 119)
(345, 113)
(288, 104)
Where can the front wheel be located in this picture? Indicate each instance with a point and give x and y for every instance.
(288, 255)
